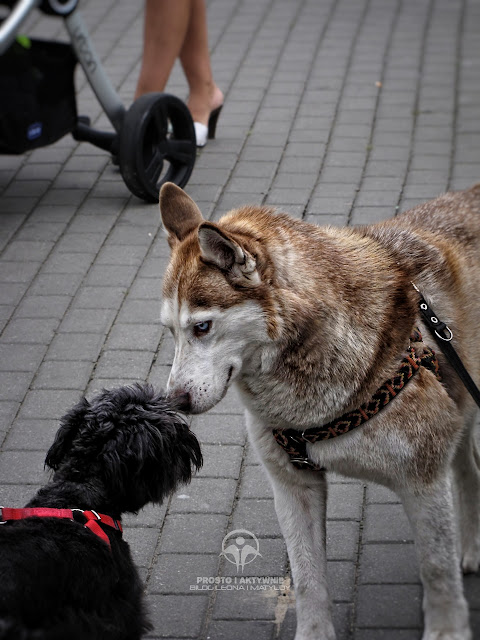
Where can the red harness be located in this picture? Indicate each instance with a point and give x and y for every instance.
(91, 518)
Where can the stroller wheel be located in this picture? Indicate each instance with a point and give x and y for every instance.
(157, 144)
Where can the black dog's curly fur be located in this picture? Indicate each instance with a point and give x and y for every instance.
(114, 454)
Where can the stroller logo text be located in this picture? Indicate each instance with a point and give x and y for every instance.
(83, 49)
(240, 547)
(34, 131)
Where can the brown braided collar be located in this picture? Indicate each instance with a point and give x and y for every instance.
(295, 442)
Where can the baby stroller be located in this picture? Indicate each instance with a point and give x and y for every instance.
(153, 141)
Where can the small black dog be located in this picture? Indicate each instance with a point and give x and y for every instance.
(60, 581)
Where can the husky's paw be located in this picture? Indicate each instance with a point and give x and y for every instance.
(326, 632)
(471, 561)
(466, 634)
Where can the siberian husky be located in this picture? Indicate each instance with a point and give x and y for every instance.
(310, 323)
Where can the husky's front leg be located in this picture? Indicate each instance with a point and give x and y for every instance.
(301, 505)
(301, 511)
(431, 515)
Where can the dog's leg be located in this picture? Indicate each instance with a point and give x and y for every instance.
(301, 513)
(300, 503)
(467, 475)
(431, 515)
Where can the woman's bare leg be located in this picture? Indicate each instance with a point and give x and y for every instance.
(195, 58)
(165, 27)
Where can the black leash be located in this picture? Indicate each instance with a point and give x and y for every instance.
(443, 336)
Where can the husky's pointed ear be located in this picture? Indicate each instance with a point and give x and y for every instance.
(222, 250)
(180, 215)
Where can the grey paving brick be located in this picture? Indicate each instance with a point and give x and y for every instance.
(246, 185)
(389, 563)
(177, 615)
(87, 320)
(257, 515)
(146, 289)
(13, 386)
(271, 563)
(341, 175)
(69, 197)
(396, 606)
(43, 307)
(6, 311)
(238, 630)
(68, 374)
(75, 346)
(17, 495)
(92, 297)
(342, 540)
(18, 271)
(12, 292)
(14, 204)
(179, 573)
(378, 494)
(425, 191)
(326, 190)
(30, 331)
(341, 580)
(22, 467)
(133, 312)
(205, 495)
(142, 337)
(259, 603)
(128, 364)
(87, 224)
(152, 515)
(8, 410)
(345, 501)
(121, 255)
(330, 206)
(55, 284)
(153, 268)
(159, 375)
(21, 357)
(142, 541)
(253, 169)
(387, 199)
(49, 231)
(387, 634)
(221, 461)
(301, 164)
(386, 523)
(35, 435)
(45, 404)
(193, 533)
(111, 275)
(371, 215)
(220, 429)
(80, 243)
(229, 405)
(255, 483)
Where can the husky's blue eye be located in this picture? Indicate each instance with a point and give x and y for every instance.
(201, 328)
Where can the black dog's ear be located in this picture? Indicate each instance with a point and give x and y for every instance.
(69, 427)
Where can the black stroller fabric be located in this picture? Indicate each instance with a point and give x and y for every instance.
(37, 95)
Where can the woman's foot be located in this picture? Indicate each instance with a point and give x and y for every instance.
(204, 105)
(201, 104)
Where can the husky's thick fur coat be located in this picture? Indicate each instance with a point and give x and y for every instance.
(309, 322)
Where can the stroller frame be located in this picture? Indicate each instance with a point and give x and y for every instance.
(157, 127)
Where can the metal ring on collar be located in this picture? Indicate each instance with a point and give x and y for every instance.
(449, 338)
